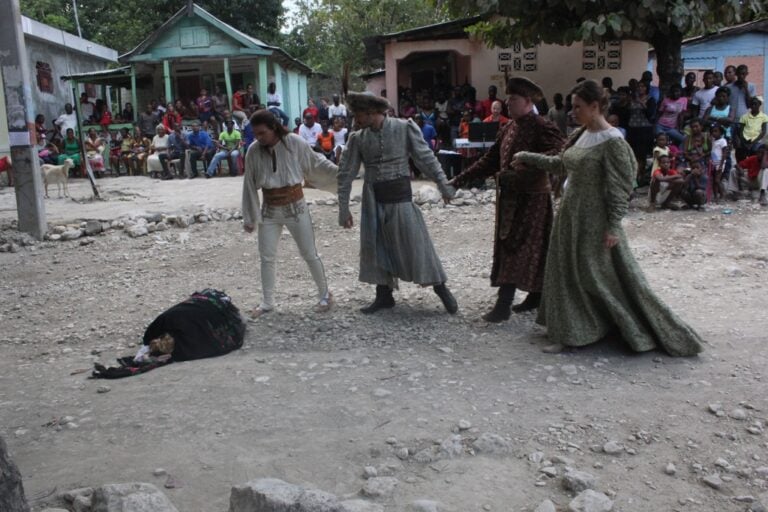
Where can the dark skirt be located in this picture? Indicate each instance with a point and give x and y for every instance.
(523, 225)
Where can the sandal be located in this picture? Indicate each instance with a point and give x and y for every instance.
(259, 311)
(325, 304)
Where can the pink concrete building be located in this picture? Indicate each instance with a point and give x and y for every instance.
(422, 57)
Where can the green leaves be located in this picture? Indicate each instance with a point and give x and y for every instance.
(329, 34)
(123, 25)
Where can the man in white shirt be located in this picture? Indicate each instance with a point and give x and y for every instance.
(337, 109)
(277, 164)
(66, 120)
(310, 130)
(704, 96)
(86, 106)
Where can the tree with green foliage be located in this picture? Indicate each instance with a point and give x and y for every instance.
(662, 23)
(328, 34)
(122, 26)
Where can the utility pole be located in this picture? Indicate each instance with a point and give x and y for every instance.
(14, 69)
(77, 19)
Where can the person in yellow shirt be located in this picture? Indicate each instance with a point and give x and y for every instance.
(753, 127)
(228, 148)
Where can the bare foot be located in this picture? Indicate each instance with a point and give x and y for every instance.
(554, 348)
(259, 311)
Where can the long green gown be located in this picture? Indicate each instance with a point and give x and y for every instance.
(589, 290)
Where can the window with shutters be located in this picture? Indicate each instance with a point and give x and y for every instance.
(194, 37)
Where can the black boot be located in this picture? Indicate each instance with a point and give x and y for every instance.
(530, 303)
(503, 308)
(384, 300)
(442, 291)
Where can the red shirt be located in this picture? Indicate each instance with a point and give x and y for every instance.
(486, 106)
(658, 173)
(237, 101)
(752, 165)
(311, 110)
(502, 120)
(171, 120)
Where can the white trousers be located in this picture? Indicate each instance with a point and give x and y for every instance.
(297, 219)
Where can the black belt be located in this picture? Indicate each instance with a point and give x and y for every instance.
(397, 190)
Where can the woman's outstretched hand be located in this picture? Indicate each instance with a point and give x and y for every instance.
(610, 240)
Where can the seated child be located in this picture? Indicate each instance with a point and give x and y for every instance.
(694, 191)
(49, 154)
(666, 185)
(756, 169)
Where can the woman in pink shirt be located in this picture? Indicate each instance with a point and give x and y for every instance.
(671, 113)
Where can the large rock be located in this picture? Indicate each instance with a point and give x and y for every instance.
(380, 486)
(93, 227)
(578, 481)
(427, 194)
(273, 495)
(452, 447)
(546, 506)
(11, 490)
(137, 231)
(71, 234)
(590, 501)
(424, 506)
(360, 506)
(131, 497)
(492, 444)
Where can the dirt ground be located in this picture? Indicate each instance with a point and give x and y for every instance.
(313, 399)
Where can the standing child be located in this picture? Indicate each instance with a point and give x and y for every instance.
(661, 149)
(339, 136)
(325, 142)
(718, 157)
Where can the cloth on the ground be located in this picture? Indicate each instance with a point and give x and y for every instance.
(207, 324)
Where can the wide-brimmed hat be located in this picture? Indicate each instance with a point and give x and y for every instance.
(522, 86)
(366, 102)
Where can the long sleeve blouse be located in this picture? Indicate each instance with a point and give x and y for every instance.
(287, 163)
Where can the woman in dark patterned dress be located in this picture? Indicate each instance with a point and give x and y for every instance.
(524, 200)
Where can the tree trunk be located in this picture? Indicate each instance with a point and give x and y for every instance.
(669, 59)
(11, 491)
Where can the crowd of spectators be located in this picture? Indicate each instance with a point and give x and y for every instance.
(168, 139)
(712, 132)
(698, 143)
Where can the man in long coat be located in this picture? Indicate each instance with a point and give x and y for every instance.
(394, 242)
(524, 211)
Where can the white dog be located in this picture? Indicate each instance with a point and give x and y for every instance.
(58, 174)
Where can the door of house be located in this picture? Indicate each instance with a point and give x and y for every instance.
(421, 80)
(187, 88)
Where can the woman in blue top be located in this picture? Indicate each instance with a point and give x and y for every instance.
(720, 110)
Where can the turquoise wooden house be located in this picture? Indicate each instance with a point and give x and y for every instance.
(746, 43)
(193, 50)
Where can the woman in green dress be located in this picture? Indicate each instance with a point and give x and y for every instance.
(592, 284)
(71, 149)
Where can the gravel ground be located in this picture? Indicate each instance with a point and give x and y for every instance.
(315, 399)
